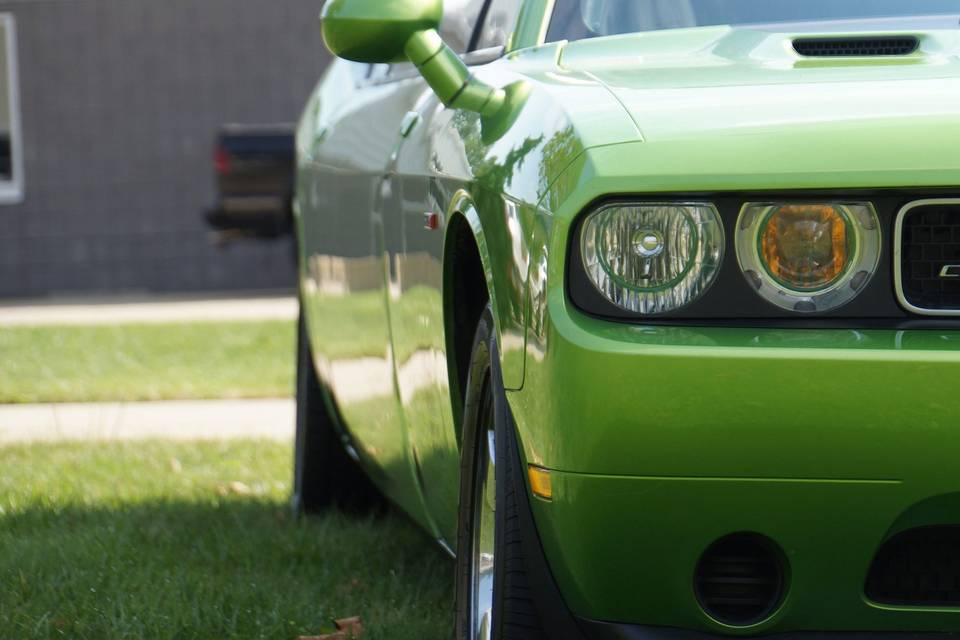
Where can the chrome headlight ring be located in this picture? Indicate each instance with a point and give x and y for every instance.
(652, 258)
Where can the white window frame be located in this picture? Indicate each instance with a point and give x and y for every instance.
(12, 191)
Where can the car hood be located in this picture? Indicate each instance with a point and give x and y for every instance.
(729, 94)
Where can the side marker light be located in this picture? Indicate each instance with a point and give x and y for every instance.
(540, 482)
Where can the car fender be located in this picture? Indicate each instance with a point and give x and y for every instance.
(509, 333)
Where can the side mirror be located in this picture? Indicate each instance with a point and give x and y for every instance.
(376, 31)
(383, 31)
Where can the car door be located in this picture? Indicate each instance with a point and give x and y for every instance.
(343, 188)
(431, 166)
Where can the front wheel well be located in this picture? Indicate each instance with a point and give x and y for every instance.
(465, 298)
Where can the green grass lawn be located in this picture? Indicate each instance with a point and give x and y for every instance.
(147, 362)
(158, 540)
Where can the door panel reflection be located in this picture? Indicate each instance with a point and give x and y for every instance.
(417, 325)
(345, 282)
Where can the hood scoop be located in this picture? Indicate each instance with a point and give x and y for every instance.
(848, 47)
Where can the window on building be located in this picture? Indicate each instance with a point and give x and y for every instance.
(499, 25)
(11, 150)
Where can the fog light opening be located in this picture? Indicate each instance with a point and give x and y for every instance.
(741, 579)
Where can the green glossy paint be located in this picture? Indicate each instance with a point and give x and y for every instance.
(661, 439)
(376, 30)
(406, 30)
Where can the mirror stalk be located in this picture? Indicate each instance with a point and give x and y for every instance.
(366, 31)
(449, 77)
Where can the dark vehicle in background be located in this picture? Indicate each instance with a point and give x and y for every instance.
(6, 154)
(254, 167)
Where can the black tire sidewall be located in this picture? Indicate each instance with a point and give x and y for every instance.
(484, 364)
(308, 401)
(324, 474)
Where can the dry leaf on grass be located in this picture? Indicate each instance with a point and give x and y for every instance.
(347, 629)
(234, 488)
(352, 626)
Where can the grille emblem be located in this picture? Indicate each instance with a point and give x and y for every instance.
(950, 271)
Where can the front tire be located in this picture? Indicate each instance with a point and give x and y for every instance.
(494, 601)
(324, 474)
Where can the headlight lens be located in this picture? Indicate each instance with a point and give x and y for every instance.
(653, 258)
(808, 257)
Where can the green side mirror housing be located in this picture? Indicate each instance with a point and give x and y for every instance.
(384, 31)
(377, 31)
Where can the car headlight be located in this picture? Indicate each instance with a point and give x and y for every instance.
(652, 258)
(808, 257)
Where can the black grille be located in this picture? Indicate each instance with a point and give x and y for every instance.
(930, 244)
(919, 567)
(847, 47)
(740, 579)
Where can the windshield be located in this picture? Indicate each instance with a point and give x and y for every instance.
(578, 19)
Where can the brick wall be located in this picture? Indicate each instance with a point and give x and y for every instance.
(120, 100)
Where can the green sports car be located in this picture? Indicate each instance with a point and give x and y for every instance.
(648, 311)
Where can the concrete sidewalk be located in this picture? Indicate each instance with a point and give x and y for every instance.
(190, 420)
(151, 310)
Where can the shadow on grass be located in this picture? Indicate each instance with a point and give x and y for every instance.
(224, 567)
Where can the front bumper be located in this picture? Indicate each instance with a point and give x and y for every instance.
(663, 439)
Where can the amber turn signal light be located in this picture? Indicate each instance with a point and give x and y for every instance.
(540, 483)
(806, 247)
(808, 257)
